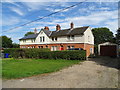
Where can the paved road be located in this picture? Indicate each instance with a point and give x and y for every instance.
(94, 73)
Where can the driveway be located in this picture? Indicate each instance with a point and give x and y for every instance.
(94, 73)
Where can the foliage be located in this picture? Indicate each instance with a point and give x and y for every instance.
(46, 54)
(19, 68)
(118, 36)
(28, 33)
(6, 42)
(15, 45)
(102, 35)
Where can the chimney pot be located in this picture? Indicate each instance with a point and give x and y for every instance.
(71, 25)
(46, 28)
(58, 27)
(35, 31)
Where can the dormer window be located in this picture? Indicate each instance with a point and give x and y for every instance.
(33, 40)
(70, 37)
(24, 40)
(54, 38)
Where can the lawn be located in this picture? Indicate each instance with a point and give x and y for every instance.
(13, 68)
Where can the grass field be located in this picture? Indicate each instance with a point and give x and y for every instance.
(13, 68)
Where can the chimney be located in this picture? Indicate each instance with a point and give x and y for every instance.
(35, 31)
(71, 25)
(46, 28)
(58, 27)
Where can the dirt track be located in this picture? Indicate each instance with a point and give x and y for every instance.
(95, 73)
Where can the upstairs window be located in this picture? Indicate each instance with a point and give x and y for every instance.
(24, 40)
(42, 39)
(88, 38)
(70, 37)
(54, 38)
(33, 40)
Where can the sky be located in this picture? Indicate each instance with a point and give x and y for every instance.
(89, 13)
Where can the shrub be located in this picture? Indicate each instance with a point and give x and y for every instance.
(46, 54)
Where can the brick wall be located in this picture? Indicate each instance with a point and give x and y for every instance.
(86, 47)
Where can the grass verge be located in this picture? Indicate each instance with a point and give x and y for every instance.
(19, 68)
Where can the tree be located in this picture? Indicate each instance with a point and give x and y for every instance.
(6, 42)
(102, 35)
(118, 36)
(28, 33)
(15, 45)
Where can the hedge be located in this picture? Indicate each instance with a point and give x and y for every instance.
(46, 54)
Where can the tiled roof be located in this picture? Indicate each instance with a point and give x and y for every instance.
(65, 32)
(31, 36)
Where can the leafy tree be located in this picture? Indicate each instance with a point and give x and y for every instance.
(15, 45)
(118, 36)
(6, 42)
(28, 33)
(102, 35)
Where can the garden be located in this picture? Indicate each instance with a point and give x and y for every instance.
(29, 62)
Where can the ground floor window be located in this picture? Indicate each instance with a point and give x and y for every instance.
(54, 48)
(72, 46)
(91, 50)
(68, 47)
(46, 46)
(40, 46)
(61, 47)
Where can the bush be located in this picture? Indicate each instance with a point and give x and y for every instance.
(46, 54)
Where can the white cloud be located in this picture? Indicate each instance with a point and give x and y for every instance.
(10, 21)
(16, 10)
(104, 8)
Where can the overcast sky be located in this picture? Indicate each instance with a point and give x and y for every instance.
(93, 14)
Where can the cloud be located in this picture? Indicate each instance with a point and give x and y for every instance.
(16, 10)
(10, 21)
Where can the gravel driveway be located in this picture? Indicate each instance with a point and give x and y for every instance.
(94, 73)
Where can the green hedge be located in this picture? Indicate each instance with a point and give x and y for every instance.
(46, 54)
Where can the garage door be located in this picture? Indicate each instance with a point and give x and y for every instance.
(108, 50)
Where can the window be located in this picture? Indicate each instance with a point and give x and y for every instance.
(52, 38)
(72, 46)
(33, 40)
(54, 48)
(42, 39)
(24, 40)
(40, 46)
(68, 47)
(88, 38)
(46, 46)
(70, 37)
(55, 38)
(91, 50)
